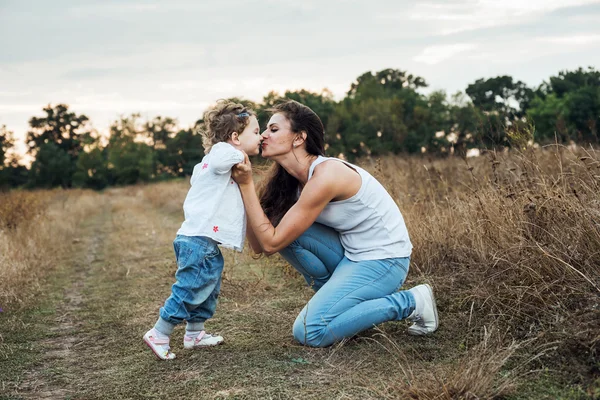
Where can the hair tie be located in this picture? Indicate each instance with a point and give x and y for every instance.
(244, 114)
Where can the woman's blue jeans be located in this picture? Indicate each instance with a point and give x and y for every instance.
(351, 296)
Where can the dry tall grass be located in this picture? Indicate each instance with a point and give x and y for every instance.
(36, 228)
(477, 375)
(509, 240)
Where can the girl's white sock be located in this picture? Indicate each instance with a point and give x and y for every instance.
(193, 329)
(192, 334)
(160, 335)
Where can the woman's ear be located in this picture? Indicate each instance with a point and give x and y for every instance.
(300, 138)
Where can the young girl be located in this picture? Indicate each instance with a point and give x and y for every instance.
(214, 215)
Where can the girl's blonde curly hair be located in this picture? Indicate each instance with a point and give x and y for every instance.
(221, 120)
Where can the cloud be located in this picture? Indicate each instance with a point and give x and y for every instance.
(583, 39)
(469, 15)
(134, 105)
(5, 93)
(435, 54)
(87, 10)
(18, 108)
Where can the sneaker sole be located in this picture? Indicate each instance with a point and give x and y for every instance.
(155, 353)
(201, 346)
(437, 321)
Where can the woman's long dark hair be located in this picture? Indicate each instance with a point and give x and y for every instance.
(280, 190)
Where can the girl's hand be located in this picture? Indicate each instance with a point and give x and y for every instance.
(242, 172)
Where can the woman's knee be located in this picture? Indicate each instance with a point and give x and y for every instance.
(318, 235)
(312, 335)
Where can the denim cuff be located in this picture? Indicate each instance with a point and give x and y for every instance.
(195, 326)
(164, 327)
(412, 305)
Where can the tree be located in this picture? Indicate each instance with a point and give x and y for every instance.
(183, 152)
(16, 175)
(12, 174)
(383, 112)
(367, 127)
(69, 131)
(92, 170)
(583, 112)
(130, 160)
(130, 128)
(52, 167)
(159, 130)
(321, 103)
(568, 105)
(570, 81)
(548, 114)
(385, 83)
(7, 142)
(502, 95)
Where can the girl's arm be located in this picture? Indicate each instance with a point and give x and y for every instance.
(318, 191)
(224, 157)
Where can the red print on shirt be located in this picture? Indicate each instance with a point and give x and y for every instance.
(216, 228)
(204, 166)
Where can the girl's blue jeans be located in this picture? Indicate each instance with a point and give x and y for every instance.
(351, 296)
(194, 295)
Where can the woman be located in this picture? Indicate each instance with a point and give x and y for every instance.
(338, 227)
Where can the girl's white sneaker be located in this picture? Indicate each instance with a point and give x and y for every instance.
(202, 340)
(159, 345)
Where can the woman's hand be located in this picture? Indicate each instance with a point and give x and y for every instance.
(242, 172)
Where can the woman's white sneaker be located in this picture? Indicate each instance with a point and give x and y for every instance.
(202, 340)
(425, 315)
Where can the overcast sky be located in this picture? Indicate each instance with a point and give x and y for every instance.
(173, 58)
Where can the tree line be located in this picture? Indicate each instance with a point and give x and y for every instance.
(384, 112)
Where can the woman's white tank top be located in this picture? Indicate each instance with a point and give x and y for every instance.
(370, 223)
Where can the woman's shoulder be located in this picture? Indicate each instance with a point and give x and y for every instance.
(336, 171)
(326, 164)
(336, 166)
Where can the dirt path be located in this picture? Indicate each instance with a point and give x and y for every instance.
(64, 335)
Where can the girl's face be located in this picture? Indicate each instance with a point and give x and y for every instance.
(250, 137)
(278, 138)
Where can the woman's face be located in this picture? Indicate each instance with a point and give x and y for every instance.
(278, 138)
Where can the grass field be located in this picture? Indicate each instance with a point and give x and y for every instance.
(510, 242)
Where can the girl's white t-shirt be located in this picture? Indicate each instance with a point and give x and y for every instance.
(213, 206)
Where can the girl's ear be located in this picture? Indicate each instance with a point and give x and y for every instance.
(235, 138)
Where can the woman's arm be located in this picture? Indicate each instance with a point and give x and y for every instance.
(254, 244)
(298, 219)
(319, 191)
